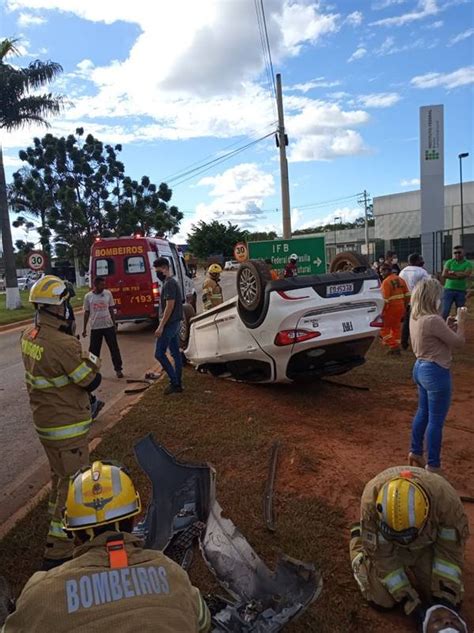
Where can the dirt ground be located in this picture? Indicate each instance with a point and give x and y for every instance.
(334, 439)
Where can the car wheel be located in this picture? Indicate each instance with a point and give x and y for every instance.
(349, 261)
(252, 278)
(188, 314)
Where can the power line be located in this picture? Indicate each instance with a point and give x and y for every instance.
(266, 53)
(192, 173)
(324, 202)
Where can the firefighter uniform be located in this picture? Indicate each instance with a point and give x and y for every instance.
(93, 593)
(396, 295)
(211, 294)
(388, 571)
(57, 374)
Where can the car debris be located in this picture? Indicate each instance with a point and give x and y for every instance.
(268, 495)
(183, 510)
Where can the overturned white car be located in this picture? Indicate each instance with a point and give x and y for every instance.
(289, 329)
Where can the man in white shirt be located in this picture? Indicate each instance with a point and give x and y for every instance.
(414, 272)
(411, 274)
(99, 311)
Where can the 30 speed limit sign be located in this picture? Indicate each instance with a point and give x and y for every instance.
(241, 252)
(36, 260)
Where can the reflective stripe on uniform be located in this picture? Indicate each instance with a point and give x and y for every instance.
(394, 297)
(65, 432)
(396, 580)
(81, 372)
(56, 529)
(41, 382)
(203, 618)
(447, 570)
(448, 534)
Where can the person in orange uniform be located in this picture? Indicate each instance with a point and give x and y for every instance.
(273, 272)
(397, 297)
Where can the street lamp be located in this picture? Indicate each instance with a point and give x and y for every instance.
(461, 156)
(338, 217)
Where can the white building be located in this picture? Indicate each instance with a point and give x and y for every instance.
(398, 221)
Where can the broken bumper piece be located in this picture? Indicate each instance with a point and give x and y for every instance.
(183, 509)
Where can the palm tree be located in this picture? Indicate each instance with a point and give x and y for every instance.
(20, 105)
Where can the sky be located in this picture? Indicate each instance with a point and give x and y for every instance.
(183, 82)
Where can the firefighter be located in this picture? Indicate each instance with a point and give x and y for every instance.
(291, 269)
(397, 297)
(211, 290)
(410, 541)
(59, 378)
(112, 583)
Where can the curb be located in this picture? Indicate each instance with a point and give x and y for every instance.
(18, 324)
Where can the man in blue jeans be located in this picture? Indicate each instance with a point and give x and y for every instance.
(456, 273)
(167, 334)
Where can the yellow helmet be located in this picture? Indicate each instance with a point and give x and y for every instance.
(49, 290)
(100, 494)
(403, 507)
(214, 269)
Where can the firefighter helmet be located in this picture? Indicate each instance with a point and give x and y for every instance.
(402, 507)
(49, 290)
(214, 269)
(293, 257)
(100, 494)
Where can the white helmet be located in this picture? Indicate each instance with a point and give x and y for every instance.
(294, 256)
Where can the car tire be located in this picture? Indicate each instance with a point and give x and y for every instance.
(188, 314)
(349, 261)
(252, 278)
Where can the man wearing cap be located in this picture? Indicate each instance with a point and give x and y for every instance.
(112, 583)
(409, 544)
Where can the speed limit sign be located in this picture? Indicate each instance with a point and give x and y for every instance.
(241, 252)
(36, 260)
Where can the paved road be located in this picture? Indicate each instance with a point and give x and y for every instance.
(23, 468)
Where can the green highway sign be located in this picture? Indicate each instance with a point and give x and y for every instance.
(311, 253)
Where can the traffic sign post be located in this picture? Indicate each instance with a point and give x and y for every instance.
(36, 260)
(241, 252)
(311, 253)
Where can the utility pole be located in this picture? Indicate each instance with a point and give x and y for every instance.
(461, 156)
(282, 142)
(365, 199)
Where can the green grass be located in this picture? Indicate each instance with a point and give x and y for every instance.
(26, 311)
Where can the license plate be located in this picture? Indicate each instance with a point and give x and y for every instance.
(347, 326)
(339, 289)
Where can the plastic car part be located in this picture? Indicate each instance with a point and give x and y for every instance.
(183, 496)
(268, 495)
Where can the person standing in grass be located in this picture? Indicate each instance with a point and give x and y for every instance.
(432, 341)
(167, 334)
(456, 273)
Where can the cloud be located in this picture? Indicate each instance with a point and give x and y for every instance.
(347, 214)
(389, 46)
(355, 18)
(379, 100)
(25, 20)
(460, 37)
(12, 161)
(320, 82)
(205, 83)
(410, 182)
(358, 54)
(460, 77)
(384, 4)
(426, 8)
(435, 25)
(327, 146)
(237, 196)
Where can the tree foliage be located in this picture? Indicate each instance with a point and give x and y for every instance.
(78, 189)
(214, 238)
(260, 236)
(18, 107)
